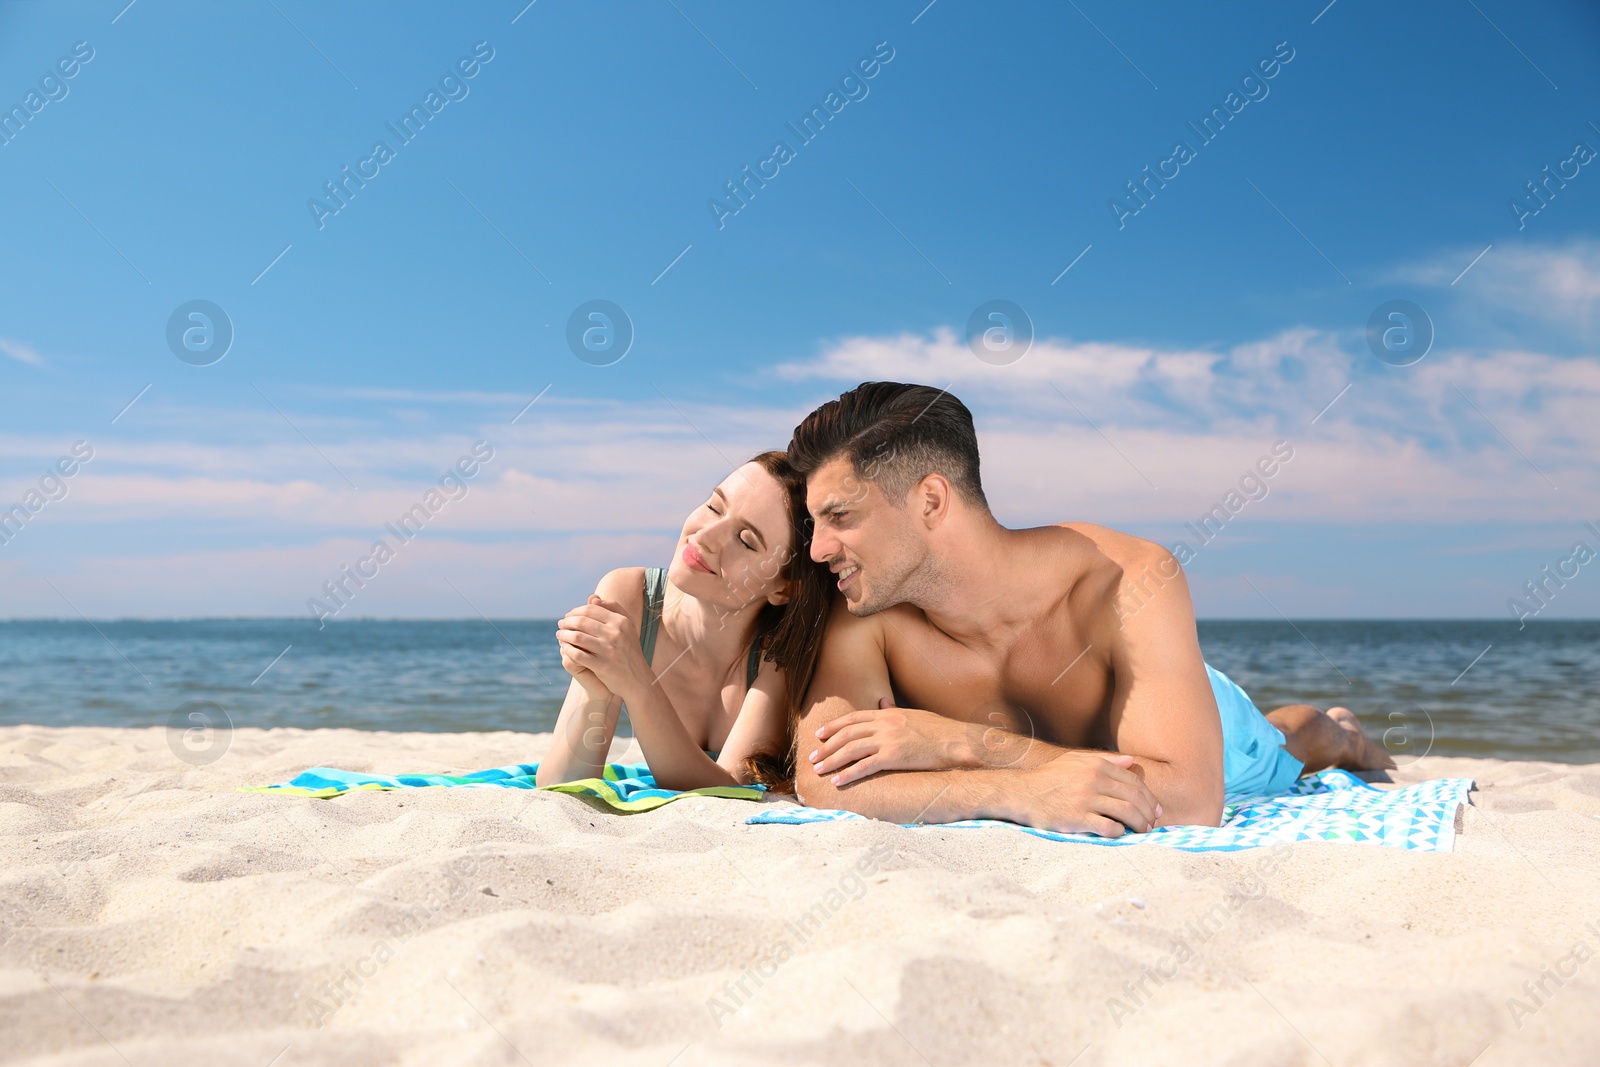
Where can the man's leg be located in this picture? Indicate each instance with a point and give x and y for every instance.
(1328, 739)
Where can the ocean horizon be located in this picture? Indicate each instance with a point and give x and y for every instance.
(1449, 687)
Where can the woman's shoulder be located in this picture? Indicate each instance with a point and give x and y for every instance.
(624, 585)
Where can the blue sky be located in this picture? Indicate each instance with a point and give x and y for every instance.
(977, 163)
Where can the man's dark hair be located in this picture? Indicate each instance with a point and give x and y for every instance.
(894, 435)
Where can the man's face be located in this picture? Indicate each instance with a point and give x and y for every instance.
(873, 547)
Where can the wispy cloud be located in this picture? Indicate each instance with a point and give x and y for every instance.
(1174, 388)
(20, 352)
(412, 396)
(1442, 440)
(1557, 285)
(1109, 431)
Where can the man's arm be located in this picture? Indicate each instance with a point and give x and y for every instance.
(1073, 791)
(892, 738)
(1162, 709)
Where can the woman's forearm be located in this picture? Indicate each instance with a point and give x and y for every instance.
(582, 738)
(675, 760)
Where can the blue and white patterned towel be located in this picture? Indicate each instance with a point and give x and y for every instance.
(1327, 806)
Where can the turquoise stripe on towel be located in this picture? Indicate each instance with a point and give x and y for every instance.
(626, 786)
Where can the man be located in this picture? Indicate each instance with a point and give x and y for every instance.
(973, 671)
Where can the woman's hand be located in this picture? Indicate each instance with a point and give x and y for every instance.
(598, 638)
(593, 687)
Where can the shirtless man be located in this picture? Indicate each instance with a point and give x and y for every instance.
(973, 671)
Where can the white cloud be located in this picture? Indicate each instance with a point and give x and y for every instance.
(1442, 440)
(255, 523)
(20, 352)
(1293, 371)
(1422, 443)
(1558, 285)
(1564, 284)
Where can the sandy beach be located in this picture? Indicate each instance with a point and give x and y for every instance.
(151, 914)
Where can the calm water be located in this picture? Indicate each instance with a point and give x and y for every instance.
(1533, 695)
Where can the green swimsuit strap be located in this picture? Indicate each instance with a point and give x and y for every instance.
(753, 664)
(655, 592)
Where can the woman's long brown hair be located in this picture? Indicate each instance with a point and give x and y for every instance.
(791, 634)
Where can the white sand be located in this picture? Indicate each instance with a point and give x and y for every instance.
(154, 916)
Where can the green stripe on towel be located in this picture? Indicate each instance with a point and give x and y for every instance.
(625, 786)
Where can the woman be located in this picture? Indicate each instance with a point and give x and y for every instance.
(711, 654)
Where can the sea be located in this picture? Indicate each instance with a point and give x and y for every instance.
(1441, 687)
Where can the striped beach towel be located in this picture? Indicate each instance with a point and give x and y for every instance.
(625, 787)
(1327, 806)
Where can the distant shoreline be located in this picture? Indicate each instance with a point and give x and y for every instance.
(1457, 687)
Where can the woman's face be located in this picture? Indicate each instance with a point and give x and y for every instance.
(735, 546)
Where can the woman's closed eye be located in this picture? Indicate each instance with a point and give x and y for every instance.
(743, 540)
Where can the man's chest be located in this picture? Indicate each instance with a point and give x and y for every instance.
(1045, 686)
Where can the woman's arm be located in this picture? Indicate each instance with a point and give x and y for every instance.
(588, 719)
(583, 734)
(600, 636)
(675, 760)
(762, 725)
(678, 763)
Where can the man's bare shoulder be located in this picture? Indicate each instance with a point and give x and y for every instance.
(852, 668)
(846, 627)
(882, 637)
(1122, 574)
(1116, 544)
(1128, 551)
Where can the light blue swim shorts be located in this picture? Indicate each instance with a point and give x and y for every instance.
(1253, 757)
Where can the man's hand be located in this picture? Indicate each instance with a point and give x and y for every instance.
(1088, 792)
(890, 738)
